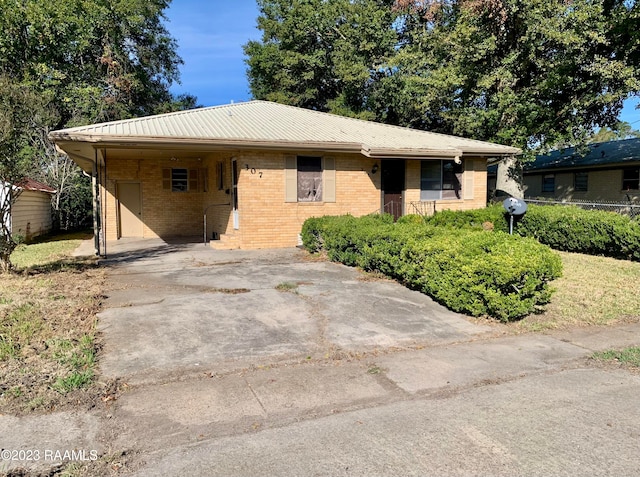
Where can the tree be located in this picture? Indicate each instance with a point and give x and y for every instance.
(321, 54)
(74, 62)
(536, 74)
(21, 113)
(621, 130)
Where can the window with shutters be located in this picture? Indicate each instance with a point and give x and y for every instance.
(184, 180)
(309, 179)
(440, 179)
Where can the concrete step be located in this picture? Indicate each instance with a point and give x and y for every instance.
(226, 242)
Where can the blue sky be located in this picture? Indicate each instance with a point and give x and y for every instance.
(210, 35)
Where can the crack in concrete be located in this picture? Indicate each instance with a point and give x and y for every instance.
(264, 410)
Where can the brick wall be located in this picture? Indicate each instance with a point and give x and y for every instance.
(265, 220)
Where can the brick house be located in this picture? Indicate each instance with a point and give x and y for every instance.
(254, 171)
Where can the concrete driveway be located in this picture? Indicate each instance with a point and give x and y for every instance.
(175, 309)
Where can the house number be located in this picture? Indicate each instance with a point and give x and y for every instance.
(253, 170)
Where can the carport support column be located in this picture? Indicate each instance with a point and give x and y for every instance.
(94, 197)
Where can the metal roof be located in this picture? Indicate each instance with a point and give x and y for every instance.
(595, 155)
(267, 124)
(31, 184)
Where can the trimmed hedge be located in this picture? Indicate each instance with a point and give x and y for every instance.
(567, 228)
(469, 271)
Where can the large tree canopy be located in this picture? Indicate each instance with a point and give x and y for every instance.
(95, 59)
(533, 74)
(73, 62)
(319, 54)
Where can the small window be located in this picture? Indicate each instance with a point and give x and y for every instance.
(549, 183)
(631, 178)
(581, 181)
(179, 180)
(183, 180)
(309, 179)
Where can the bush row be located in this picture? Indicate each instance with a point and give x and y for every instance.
(469, 271)
(563, 228)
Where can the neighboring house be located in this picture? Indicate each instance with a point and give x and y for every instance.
(607, 171)
(256, 170)
(31, 213)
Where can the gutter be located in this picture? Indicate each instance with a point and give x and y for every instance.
(99, 141)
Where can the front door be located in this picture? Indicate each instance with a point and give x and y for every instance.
(130, 209)
(393, 174)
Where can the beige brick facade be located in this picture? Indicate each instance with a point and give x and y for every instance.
(264, 218)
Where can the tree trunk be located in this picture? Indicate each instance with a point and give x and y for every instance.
(509, 178)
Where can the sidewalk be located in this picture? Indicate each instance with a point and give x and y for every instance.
(194, 412)
(165, 420)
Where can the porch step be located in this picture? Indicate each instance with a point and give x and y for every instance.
(226, 242)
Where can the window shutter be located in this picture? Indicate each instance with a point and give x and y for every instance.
(329, 179)
(203, 179)
(166, 179)
(290, 179)
(467, 186)
(193, 180)
(220, 175)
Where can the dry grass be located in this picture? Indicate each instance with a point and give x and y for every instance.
(48, 344)
(592, 291)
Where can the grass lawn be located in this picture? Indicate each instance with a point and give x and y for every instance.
(592, 291)
(48, 343)
(629, 357)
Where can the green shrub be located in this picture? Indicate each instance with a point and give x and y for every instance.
(561, 227)
(482, 273)
(412, 219)
(591, 232)
(476, 218)
(467, 270)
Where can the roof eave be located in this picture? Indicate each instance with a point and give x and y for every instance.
(63, 139)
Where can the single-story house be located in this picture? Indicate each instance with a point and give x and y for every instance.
(30, 215)
(253, 172)
(606, 171)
